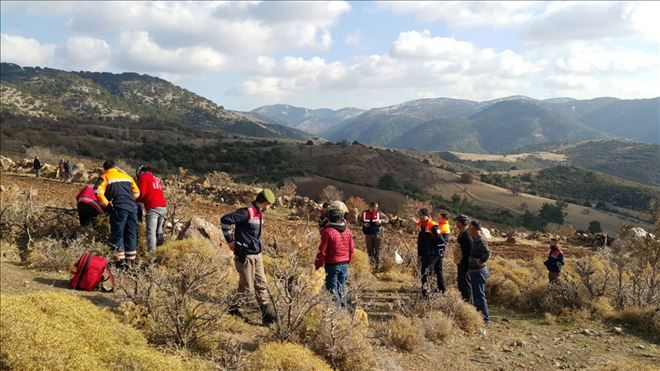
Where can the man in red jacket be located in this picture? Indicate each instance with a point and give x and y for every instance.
(335, 253)
(153, 198)
(88, 206)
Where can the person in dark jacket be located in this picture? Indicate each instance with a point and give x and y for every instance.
(372, 227)
(335, 253)
(117, 191)
(555, 261)
(68, 171)
(36, 164)
(245, 242)
(464, 242)
(430, 250)
(477, 269)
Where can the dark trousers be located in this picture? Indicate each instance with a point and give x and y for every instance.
(86, 214)
(123, 233)
(553, 277)
(478, 279)
(464, 285)
(335, 282)
(373, 248)
(432, 263)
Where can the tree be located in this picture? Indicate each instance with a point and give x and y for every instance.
(331, 193)
(553, 213)
(466, 178)
(388, 181)
(594, 227)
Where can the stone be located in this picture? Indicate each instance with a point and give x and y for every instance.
(82, 177)
(48, 171)
(202, 229)
(618, 330)
(6, 163)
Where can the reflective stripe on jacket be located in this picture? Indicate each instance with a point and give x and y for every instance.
(87, 196)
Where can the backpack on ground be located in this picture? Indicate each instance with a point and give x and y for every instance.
(90, 273)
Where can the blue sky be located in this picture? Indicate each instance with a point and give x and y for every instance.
(337, 54)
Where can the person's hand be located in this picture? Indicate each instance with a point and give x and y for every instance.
(378, 222)
(232, 245)
(366, 225)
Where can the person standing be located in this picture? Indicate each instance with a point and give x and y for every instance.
(61, 170)
(477, 269)
(246, 244)
(153, 199)
(372, 227)
(335, 252)
(443, 224)
(68, 171)
(430, 250)
(555, 261)
(88, 205)
(36, 164)
(464, 242)
(118, 190)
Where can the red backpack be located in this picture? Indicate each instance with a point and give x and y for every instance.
(90, 273)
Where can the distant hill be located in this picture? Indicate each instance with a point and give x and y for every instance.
(315, 121)
(634, 119)
(443, 124)
(102, 98)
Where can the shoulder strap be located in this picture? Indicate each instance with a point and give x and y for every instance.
(107, 278)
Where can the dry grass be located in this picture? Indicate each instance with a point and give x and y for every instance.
(59, 331)
(57, 255)
(465, 316)
(285, 356)
(437, 326)
(402, 333)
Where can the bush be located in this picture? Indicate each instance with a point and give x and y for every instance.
(646, 320)
(285, 356)
(359, 274)
(183, 289)
(402, 333)
(52, 254)
(467, 178)
(437, 326)
(339, 337)
(559, 298)
(464, 314)
(331, 193)
(60, 331)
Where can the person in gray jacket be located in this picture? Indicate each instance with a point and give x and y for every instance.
(477, 269)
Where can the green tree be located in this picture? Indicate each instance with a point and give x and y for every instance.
(388, 181)
(553, 213)
(594, 227)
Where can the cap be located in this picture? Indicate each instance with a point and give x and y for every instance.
(267, 195)
(338, 205)
(425, 212)
(461, 218)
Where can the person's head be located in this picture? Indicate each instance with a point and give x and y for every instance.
(553, 243)
(36, 157)
(474, 228)
(264, 199)
(444, 215)
(373, 207)
(424, 214)
(334, 215)
(461, 221)
(145, 169)
(109, 164)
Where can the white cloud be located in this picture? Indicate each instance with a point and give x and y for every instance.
(85, 53)
(137, 51)
(596, 60)
(575, 21)
(414, 44)
(466, 14)
(25, 51)
(355, 38)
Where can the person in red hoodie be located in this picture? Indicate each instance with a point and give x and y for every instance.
(153, 198)
(335, 253)
(88, 206)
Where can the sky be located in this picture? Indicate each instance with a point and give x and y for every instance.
(243, 55)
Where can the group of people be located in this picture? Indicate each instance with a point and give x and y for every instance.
(116, 194)
(64, 170)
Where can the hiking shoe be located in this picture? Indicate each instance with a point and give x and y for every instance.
(267, 316)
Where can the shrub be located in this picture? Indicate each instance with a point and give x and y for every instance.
(52, 254)
(646, 320)
(331, 193)
(339, 337)
(355, 202)
(285, 356)
(464, 314)
(69, 332)
(467, 178)
(185, 288)
(437, 326)
(560, 298)
(402, 333)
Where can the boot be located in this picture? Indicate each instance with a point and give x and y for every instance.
(234, 311)
(160, 239)
(267, 316)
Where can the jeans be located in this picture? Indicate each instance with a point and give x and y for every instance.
(155, 220)
(335, 282)
(373, 248)
(478, 279)
(123, 233)
(464, 285)
(37, 172)
(432, 263)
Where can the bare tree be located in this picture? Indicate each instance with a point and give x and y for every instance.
(331, 193)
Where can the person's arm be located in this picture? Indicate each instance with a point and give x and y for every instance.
(135, 189)
(351, 246)
(485, 252)
(143, 186)
(323, 248)
(80, 194)
(236, 217)
(100, 192)
(384, 219)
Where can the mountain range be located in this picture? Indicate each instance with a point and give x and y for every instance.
(495, 126)
(101, 97)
